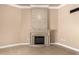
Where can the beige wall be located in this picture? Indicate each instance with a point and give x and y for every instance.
(26, 25)
(53, 19)
(15, 24)
(10, 20)
(68, 26)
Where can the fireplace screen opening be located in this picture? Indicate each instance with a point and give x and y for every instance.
(39, 39)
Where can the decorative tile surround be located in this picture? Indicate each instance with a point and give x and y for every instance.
(40, 24)
(39, 19)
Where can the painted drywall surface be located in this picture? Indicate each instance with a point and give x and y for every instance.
(53, 19)
(25, 25)
(10, 20)
(15, 24)
(68, 26)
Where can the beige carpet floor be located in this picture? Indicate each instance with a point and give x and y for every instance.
(30, 50)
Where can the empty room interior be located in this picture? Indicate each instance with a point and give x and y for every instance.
(39, 29)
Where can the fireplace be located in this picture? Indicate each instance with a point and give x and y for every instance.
(40, 35)
(39, 39)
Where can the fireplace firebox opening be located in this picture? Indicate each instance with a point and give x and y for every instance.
(39, 39)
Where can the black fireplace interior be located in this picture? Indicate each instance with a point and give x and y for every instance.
(39, 39)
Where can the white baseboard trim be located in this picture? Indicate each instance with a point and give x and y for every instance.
(66, 46)
(59, 44)
(12, 45)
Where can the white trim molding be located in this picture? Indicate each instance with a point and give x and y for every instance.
(58, 6)
(13, 45)
(61, 6)
(67, 47)
(52, 7)
(76, 51)
(39, 6)
(14, 5)
(31, 6)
